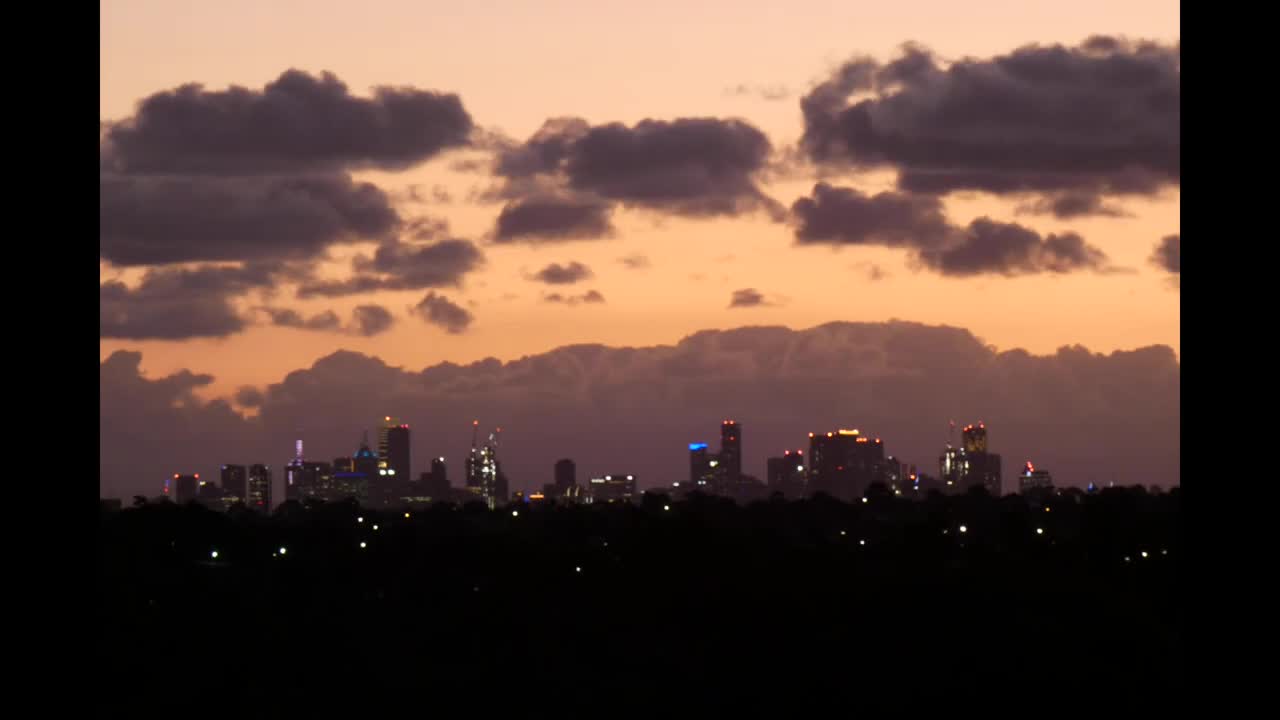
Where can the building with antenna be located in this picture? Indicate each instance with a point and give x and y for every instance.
(484, 472)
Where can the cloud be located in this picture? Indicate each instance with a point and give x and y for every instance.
(635, 262)
(177, 304)
(839, 215)
(1065, 206)
(299, 123)
(589, 297)
(553, 219)
(695, 167)
(179, 219)
(398, 265)
(747, 297)
(845, 216)
(1011, 249)
(556, 274)
(772, 93)
(1115, 416)
(366, 320)
(439, 310)
(1168, 254)
(1099, 118)
(249, 397)
(369, 320)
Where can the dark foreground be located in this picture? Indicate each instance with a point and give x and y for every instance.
(704, 608)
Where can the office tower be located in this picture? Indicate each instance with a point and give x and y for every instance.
(702, 468)
(975, 438)
(730, 451)
(235, 481)
(844, 463)
(344, 465)
(566, 476)
(397, 451)
(484, 474)
(439, 472)
(259, 497)
(365, 464)
(293, 474)
(785, 474)
(612, 489)
(393, 446)
(971, 464)
(185, 488)
(1034, 482)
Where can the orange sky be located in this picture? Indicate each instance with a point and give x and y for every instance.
(514, 64)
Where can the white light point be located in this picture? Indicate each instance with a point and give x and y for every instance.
(363, 544)
(214, 554)
(964, 529)
(283, 550)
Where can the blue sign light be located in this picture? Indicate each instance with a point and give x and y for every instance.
(697, 446)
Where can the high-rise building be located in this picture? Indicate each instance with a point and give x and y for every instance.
(970, 464)
(293, 474)
(484, 473)
(185, 488)
(786, 474)
(365, 464)
(344, 465)
(439, 472)
(1034, 482)
(259, 495)
(702, 468)
(235, 481)
(612, 489)
(397, 451)
(844, 463)
(730, 451)
(566, 475)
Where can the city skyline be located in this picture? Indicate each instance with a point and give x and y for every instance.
(604, 227)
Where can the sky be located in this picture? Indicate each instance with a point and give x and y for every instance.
(503, 179)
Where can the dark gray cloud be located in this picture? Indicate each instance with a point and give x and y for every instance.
(990, 247)
(1168, 254)
(366, 320)
(845, 216)
(249, 396)
(689, 166)
(1115, 416)
(553, 219)
(176, 304)
(369, 320)
(635, 262)
(297, 123)
(284, 317)
(440, 311)
(1099, 118)
(747, 297)
(840, 215)
(589, 297)
(1065, 206)
(557, 274)
(398, 265)
(157, 220)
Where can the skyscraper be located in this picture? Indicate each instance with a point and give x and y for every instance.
(293, 474)
(365, 464)
(484, 473)
(844, 463)
(394, 453)
(566, 475)
(612, 489)
(971, 464)
(731, 451)
(702, 468)
(1033, 482)
(439, 472)
(235, 481)
(785, 474)
(185, 488)
(259, 497)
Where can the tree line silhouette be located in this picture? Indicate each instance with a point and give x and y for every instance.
(786, 606)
